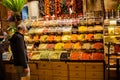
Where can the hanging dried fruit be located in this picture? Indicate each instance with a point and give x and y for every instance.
(58, 7)
(71, 5)
(47, 7)
(79, 4)
(41, 7)
(64, 7)
(52, 7)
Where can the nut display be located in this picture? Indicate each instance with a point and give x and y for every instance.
(90, 28)
(89, 37)
(66, 38)
(74, 37)
(98, 45)
(44, 55)
(50, 46)
(86, 56)
(75, 56)
(81, 37)
(51, 38)
(86, 46)
(98, 36)
(82, 28)
(77, 45)
(98, 56)
(59, 46)
(43, 38)
(80, 41)
(68, 45)
(98, 28)
(42, 46)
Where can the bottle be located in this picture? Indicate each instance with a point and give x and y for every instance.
(118, 17)
(112, 18)
(106, 21)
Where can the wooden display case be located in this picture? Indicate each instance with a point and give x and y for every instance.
(60, 70)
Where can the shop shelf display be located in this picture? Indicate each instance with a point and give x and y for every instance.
(81, 36)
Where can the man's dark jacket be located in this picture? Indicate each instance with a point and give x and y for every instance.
(1, 64)
(3, 47)
(19, 50)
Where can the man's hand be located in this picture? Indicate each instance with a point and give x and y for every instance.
(26, 70)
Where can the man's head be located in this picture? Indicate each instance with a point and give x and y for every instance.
(21, 28)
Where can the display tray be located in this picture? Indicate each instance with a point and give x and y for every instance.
(70, 60)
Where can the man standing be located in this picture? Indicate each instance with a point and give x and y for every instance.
(1, 64)
(1, 51)
(19, 51)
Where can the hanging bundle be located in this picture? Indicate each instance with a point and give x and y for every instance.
(79, 4)
(71, 6)
(47, 7)
(52, 7)
(41, 7)
(57, 7)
